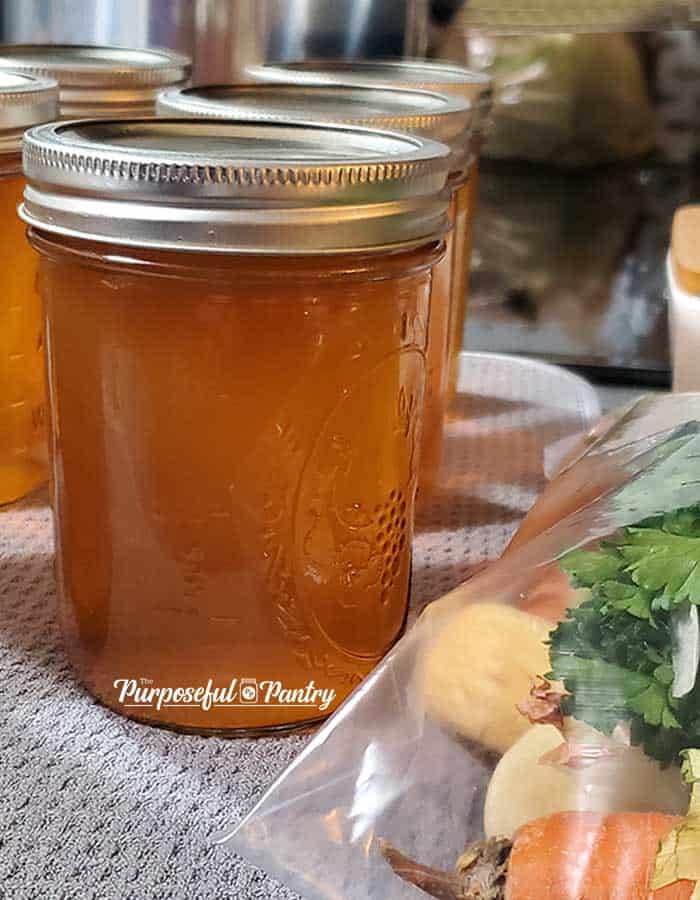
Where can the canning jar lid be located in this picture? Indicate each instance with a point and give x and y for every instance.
(235, 186)
(99, 80)
(439, 117)
(24, 101)
(434, 75)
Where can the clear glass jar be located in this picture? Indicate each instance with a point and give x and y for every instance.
(462, 216)
(235, 437)
(433, 115)
(23, 447)
(448, 308)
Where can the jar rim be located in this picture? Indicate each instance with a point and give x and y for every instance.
(87, 65)
(436, 75)
(437, 116)
(175, 263)
(224, 185)
(25, 100)
(94, 79)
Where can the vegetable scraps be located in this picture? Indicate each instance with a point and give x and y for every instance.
(630, 652)
(678, 859)
(567, 856)
(628, 659)
(525, 785)
(576, 856)
(506, 648)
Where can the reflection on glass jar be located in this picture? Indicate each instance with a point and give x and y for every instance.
(236, 436)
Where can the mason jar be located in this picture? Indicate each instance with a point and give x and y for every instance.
(100, 81)
(24, 101)
(437, 116)
(443, 78)
(237, 321)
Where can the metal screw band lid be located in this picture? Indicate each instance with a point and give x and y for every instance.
(100, 80)
(433, 75)
(24, 101)
(435, 116)
(235, 186)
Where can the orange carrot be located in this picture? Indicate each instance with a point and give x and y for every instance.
(588, 856)
(681, 890)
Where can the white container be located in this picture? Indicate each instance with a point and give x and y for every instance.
(683, 270)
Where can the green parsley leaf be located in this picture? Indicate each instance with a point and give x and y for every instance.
(662, 562)
(586, 568)
(600, 693)
(652, 704)
(626, 598)
(615, 652)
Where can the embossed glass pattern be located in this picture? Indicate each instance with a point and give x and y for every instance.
(235, 455)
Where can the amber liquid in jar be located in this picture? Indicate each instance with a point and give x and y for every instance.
(235, 449)
(465, 207)
(435, 408)
(23, 448)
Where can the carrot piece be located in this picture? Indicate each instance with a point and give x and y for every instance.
(681, 890)
(588, 856)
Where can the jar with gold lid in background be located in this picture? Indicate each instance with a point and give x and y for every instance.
(100, 80)
(237, 316)
(24, 101)
(439, 77)
(437, 116)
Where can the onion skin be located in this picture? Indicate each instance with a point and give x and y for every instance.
(588, 856)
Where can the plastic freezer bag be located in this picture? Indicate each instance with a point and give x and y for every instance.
(557, 746)
(586, 471)
(647, 415)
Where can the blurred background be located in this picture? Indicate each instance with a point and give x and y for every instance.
(594, 141)
(223, 36)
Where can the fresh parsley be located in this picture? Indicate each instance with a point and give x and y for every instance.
(614, 653)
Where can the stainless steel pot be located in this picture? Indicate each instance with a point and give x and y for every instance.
(234, 35)
(225, 36)
(136, 23)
